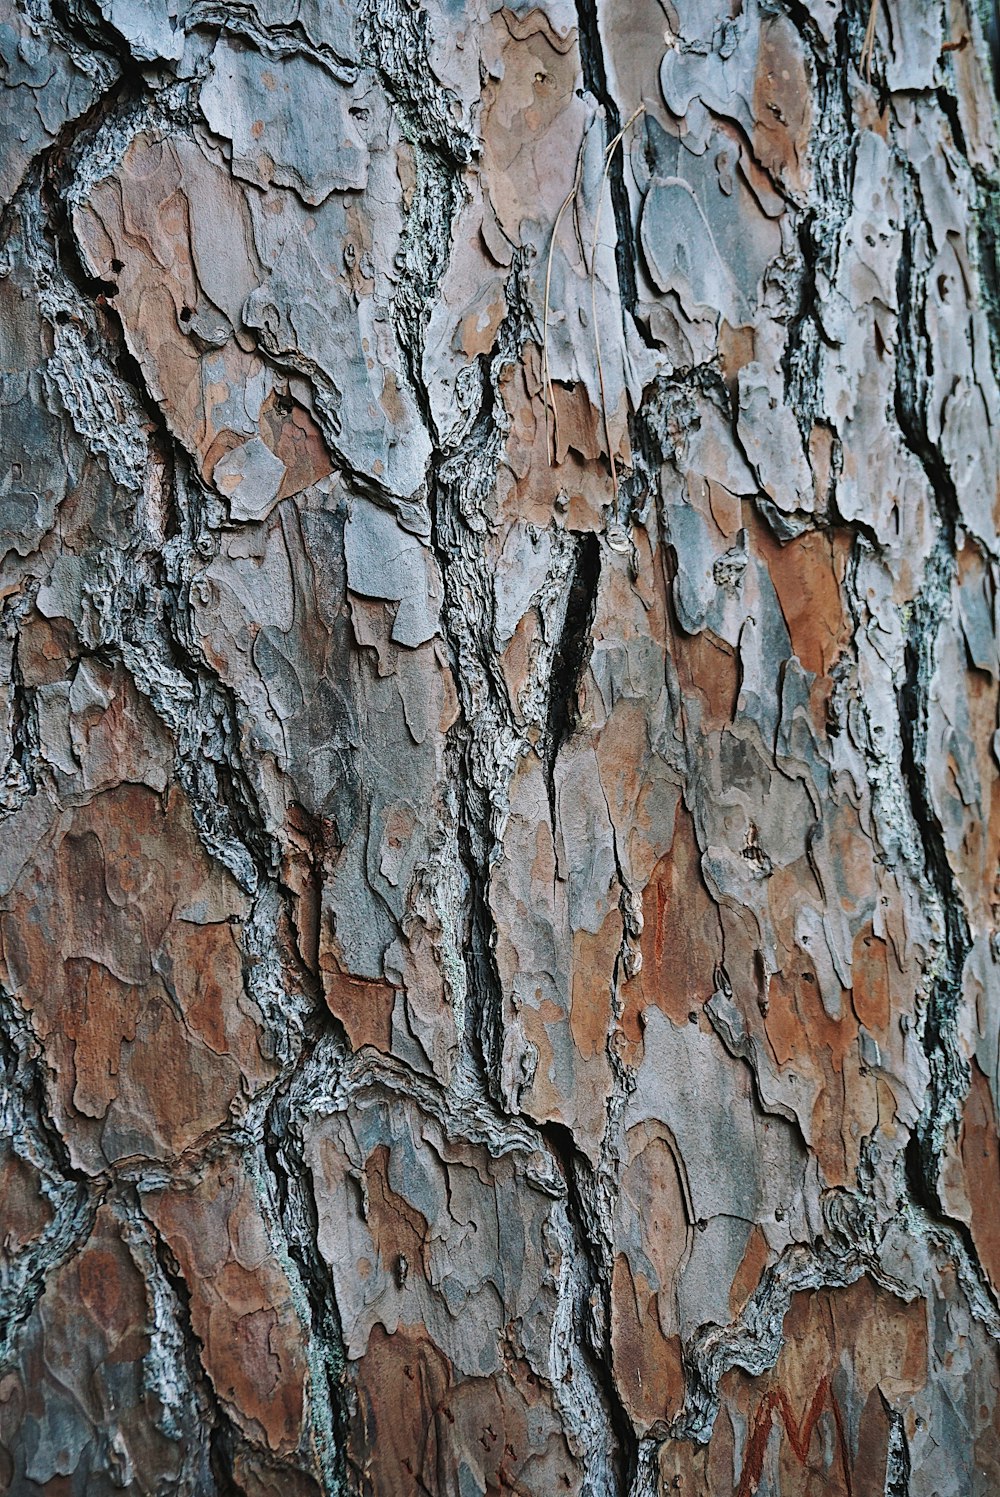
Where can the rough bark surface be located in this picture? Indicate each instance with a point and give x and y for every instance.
(499, 897)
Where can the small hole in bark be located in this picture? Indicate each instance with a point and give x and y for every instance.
(62, 318)
(117, 266)
(186, 314)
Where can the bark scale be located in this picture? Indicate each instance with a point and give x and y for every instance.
(499, 870)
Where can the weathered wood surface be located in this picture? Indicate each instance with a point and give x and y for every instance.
(500, 947)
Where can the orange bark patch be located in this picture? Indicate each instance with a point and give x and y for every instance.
(46, 649)
(981, 1161)
(363, 1007)
(479, 327)
(781, 102)
(418, 1422)
(843, 1349)
(293, 436)
(807, 574)
(593, 972)
(870, 972)
(577, 425)
(651, 1232)
(241, 1305)
(141, 217)
(534, 483)
(708, 669)
(517, 658)
(748, 1275)
(680, 938)
(398, 1229)
(648, 1368)
(802, 1034)
(119, 940)
(736, 350)
(104, 1281)
(24, 1211)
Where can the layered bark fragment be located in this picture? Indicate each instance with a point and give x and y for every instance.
(499, 874)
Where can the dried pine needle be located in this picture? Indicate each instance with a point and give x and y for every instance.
(608, 158)
(549, 398)
(868, 46)
(551, 447)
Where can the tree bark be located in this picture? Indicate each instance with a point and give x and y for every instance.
(499, 902)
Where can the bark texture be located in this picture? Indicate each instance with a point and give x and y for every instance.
(499, 897)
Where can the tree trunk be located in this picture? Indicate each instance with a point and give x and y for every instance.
(500, 904)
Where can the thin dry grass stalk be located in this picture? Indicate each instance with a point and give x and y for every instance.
(549, 397)
(868, 46)
(546, 377)
(608, 157)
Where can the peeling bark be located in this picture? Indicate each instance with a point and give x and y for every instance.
(499, 916)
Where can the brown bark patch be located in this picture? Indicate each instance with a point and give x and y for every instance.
(253, 1346)
(981, 1162)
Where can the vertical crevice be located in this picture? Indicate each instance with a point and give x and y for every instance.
(948, 1070)
(73, 1197)
(637, 481)
(593, 1294)
(20, 772)
(988, 238)
(898, 1466)
(152, 636)
(295, 1215)
(460, 482)
(595, 81)
(821, 221)
(221, 1434)
(572, 655)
